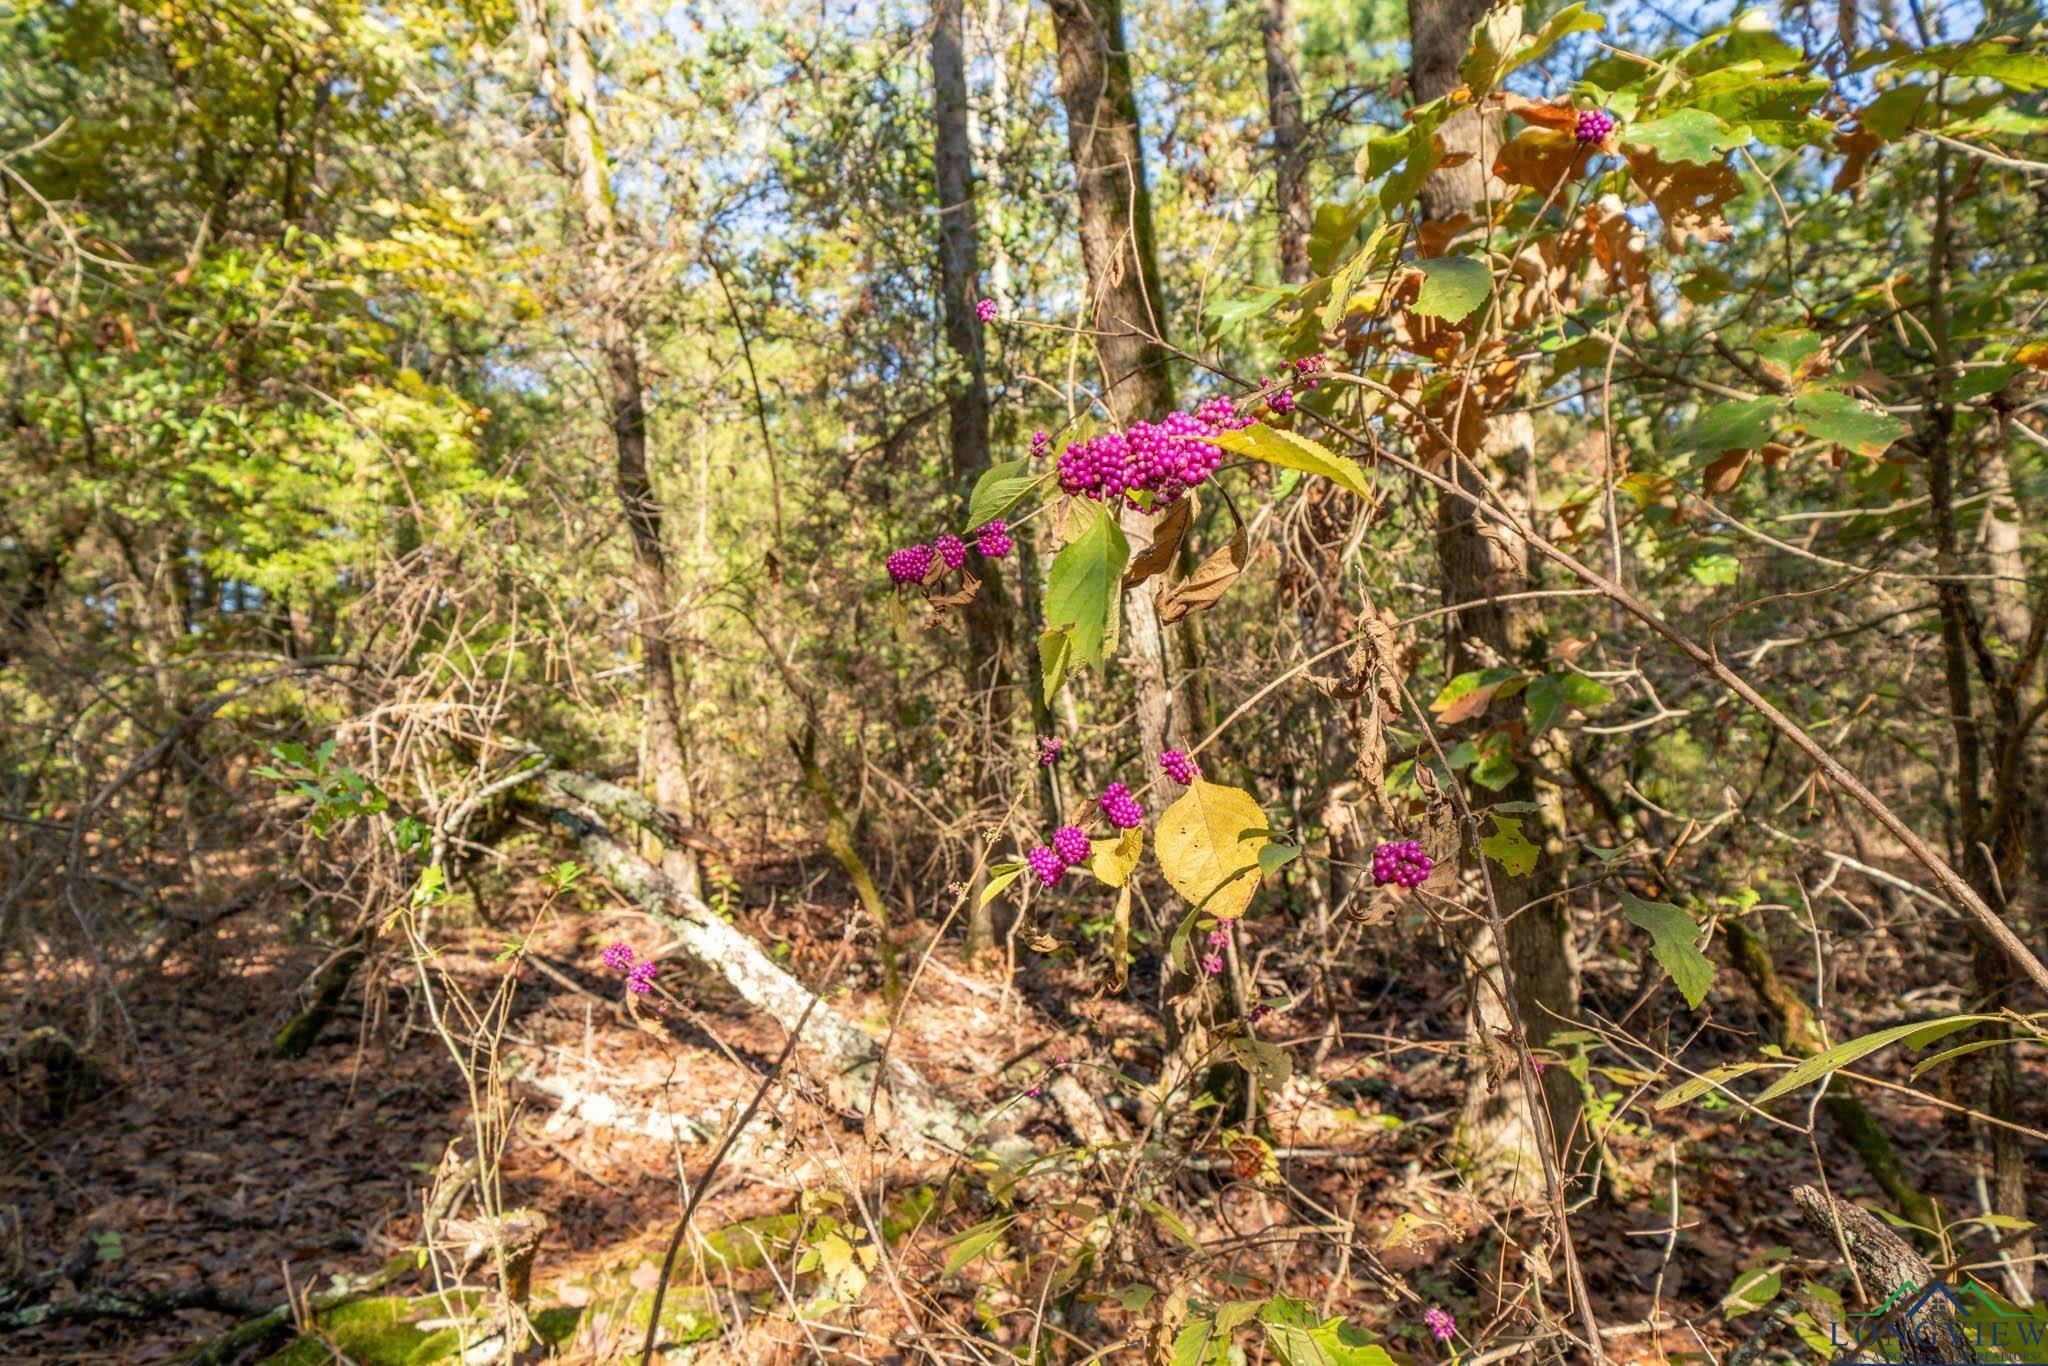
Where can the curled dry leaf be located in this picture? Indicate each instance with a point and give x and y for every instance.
(1168, 530)
(1540, 159)
(1689, 196)
(1725, 472)
(969, 587)
(1205, 587)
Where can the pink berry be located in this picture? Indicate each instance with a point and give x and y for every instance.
(986, 310)
(1400, 863)
(641, 979)
(1179, 767)
(1070, 842)
(995, 540)
(1047, 864)
(618, 955)
(1049, 747)
(910, 565)
(1212, 963)
(1593, 125)
(1121, 807)
(952, 550)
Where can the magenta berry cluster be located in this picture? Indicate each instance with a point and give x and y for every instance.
(640, 980)
(1219, 938)
(1070, 842)
(1212, 963)
(952, 550)
(618, 955)
(1400, 862)
(1121, 807)
(910, 564)
(1280, 401)
(1049, 747)
(1049, 866)
(1039, 444)
(1594, 125)
(1179, 766)
(1439, 1321)
(995, 540)
(986, 310)
(1164, 458)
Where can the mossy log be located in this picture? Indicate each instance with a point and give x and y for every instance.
(1800, 1035)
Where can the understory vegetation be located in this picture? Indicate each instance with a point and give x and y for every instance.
(1177, 681)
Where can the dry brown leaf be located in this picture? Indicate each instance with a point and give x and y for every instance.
(1167, 531)
(1540, 159)
(1554, 114)
(1725, 472)
(1688, 196)
(969, 586)
(1858, 150)
(1205, 587)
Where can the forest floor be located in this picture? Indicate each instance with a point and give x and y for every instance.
(208, 1162)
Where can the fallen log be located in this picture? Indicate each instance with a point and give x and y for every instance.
(844, 1054)
(1921, 1324)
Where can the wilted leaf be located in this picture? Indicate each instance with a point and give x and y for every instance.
(1724, 472)
(1290, 450)
(1204, 849)
(1167, 530)
(1540, 159)
(1672, 933)
(1119, 943)
(1113, 859)
(969, 587)
(1205, 587)
(1688, 197)
(1469, 694)
(1692, 1088)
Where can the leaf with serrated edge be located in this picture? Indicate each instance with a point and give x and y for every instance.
(1672, 932)
(1203, 849)
(1290, 450)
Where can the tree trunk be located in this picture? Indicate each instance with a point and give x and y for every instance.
(1128, 309)
(619, 341)
(1480, 565)
(991, 691)
(1283, 109)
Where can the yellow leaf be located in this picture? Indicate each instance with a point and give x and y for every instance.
(1295, 452)
(1113, 860)
(1209, 843)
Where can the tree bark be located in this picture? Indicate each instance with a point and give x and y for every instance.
(619, 342)
(991, 690)
(1283, 110)
(1127, 307)
(1480, 565)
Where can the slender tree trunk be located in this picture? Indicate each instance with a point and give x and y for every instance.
(990, 678)
(1479, 567)
(1128, 308)
(1283, 108)
(619, 341)
(1987, 836)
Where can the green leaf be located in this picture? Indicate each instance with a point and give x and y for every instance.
(1000, 488)
(1692, 1088)
(1685, 135)
(1842, 1054)
(1170, 1221)
(1753, 1289)
(1299, 1337)
(1835, 417)
(1570, 19)
(1744, 424)
(1055, 659)
(1452, 287)
(1715, 571)
(1209, 843)
(975, 1241)
(1672, 933)
(1274, 857)
(1293, 451)
(999, 877)
(1508, 847)
(1085, 587)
